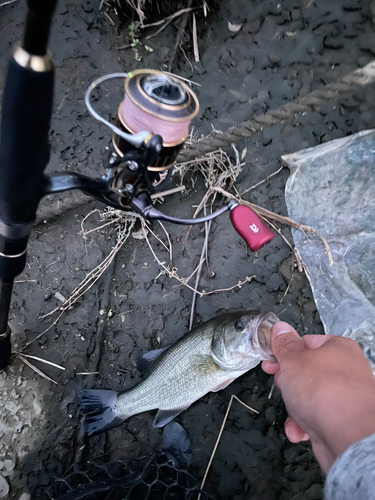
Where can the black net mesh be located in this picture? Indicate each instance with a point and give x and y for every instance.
(154, 477)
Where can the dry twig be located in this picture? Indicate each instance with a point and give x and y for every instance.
(87, 373)
(297, 261)
(40, 359)
(262, 181)
(217, 171)
(267, 214)
(124, 229)
(202, 259)
(219, 178)
(7, 3)
(183, 79)
(171, 271)
(35, 369)
(161, 194)
(169, 18)
(219, 436)
(181, 31)
(278, 230)
(287, 288)
(195, 40)
(271, 391)
(138, 6)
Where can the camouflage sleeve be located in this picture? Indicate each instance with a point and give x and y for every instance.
(352, 476)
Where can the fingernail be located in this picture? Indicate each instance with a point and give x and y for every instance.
(280, 328)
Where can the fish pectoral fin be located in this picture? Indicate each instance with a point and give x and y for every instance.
(163, 417)
(223, 385)
(204, 363)
(146, 362)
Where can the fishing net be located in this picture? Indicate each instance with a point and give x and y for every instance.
(152, 478)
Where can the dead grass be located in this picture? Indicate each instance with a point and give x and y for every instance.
(219, 173)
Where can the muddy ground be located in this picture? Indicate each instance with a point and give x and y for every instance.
(284, 50)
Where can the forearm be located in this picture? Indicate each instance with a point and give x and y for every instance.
(352, 476)
(351, 421)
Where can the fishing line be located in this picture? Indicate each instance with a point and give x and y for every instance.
(167, 111)
(136, 119)
(116, 130)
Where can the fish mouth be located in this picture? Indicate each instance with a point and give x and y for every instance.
(266, 322)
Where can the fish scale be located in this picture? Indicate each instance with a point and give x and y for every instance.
(173, 381)
(206, 359)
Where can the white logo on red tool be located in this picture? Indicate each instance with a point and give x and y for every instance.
(254, 228)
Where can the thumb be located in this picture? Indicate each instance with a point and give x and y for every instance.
(285, 342)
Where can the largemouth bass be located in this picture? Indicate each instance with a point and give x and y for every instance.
(207, 359)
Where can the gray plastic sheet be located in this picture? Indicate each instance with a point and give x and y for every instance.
(332, 188)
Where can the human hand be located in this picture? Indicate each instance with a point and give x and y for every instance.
(328, 389)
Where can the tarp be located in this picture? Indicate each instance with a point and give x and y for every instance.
(332, 189)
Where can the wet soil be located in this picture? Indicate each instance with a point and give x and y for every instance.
(284, 50)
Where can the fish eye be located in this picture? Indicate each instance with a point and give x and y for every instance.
(240, 324)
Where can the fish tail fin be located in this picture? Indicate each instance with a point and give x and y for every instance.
(99, 407)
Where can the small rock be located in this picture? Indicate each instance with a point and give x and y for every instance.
(270, 414)
(43, 341)
(234, 28)
(9, 465)
(4, 487)
(315, 492)
(24, 496)
(290, 455)
(362, 61)
(234, 93)
(309, 306)
(255, 439)
(275, 9)
(295, 14)
(59, 296)
(275, 282)
(48, 248)
(263, 95)
(274, 58)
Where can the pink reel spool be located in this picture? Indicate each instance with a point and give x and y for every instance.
(160, 103)
(137, 120)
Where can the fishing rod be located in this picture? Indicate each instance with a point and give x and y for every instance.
(138, 164)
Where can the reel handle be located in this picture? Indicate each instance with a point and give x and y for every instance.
(246, 222)
(250, 227)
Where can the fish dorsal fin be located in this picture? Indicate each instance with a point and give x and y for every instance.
(147, 361)
(223, 385)
(163, 417)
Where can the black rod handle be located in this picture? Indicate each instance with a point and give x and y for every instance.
(26, 116)
(24, 147)
(24, 152)
(38, 26)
